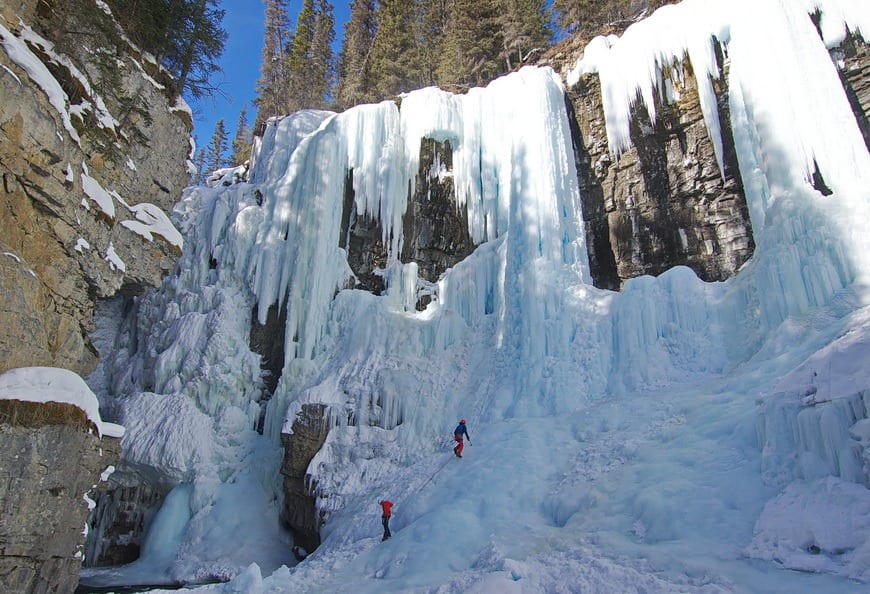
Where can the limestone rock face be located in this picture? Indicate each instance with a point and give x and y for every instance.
(855, 72)
(435, 232)
(435, 228)
(117, 524)
(93, 155)
(299, 512)
(664, 202)
(46, 471)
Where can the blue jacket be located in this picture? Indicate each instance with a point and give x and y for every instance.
(461, 430)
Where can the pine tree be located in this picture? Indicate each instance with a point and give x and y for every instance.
(199, 46)
(215, 155)
(299, 59)
(568, 14)
(524, 29)
(185, 36)
(322, 58)
(198, 176)
(310, 60)
(242, 141)
(274, 84)
(396, 61)
(588, 16)
(472, 43)
(354, 79)
(433, 18)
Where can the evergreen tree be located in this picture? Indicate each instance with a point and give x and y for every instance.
(200, 43)
(589, 16)
(198, 176)
(354, 78)
(310, 60)
(299, 59)
(241, 146)
(523, 25)
(472, 43)
(396, 62)
(274, 84)
(215, 155)
(185, 36)
(569, 14)
(433, 17)
(322, 60)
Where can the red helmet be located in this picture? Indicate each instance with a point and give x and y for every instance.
(462, 422)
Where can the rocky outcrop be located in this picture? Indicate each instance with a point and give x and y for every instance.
(435, 230)
(854, 60)
(117, 524)
(299, 512)
(93, 153)
(664, 202)
(50, 460)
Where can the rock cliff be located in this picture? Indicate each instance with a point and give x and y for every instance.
(299, 512)
(854, 60)
(50, 460)
(94, 147)
(93, 152)
(664, 202)
(435, 229)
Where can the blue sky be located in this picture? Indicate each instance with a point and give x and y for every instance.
(241, 64)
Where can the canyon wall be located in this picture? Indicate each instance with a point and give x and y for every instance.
(94, 148)
(93, 151)
(51, 459)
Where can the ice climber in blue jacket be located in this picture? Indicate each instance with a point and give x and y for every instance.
(457, 435)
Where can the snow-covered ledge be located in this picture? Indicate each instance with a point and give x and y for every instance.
(56, 450)
(49, 384)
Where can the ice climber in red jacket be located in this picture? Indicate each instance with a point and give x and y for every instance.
(387, 507)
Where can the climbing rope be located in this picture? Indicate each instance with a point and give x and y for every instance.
(429, 480)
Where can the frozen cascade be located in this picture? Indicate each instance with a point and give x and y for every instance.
(165, 533)
(518, 340)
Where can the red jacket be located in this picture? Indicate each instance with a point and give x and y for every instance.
(388, 507)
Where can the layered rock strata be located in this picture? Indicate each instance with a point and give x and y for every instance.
(664, 202)
(93, 152)
(94, 147)
(50, 460)
(854, 60)
(435, 230)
